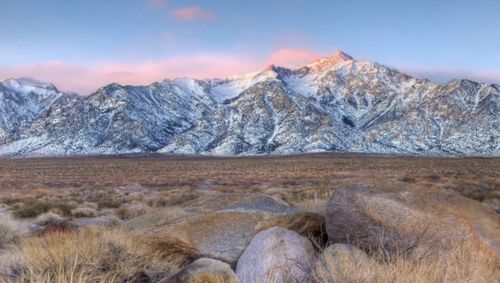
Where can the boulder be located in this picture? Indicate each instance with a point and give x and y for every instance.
(493, 204)
(170, 215)
(225, 233)
(276, 255)
(337, 259)
(205, 270)
(398, 220)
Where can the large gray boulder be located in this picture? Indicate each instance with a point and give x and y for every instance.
(399, 220)
(205, 270)
(277, 255)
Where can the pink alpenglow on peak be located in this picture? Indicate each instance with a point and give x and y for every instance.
(340, 56)
(329, 62)
(292, 58)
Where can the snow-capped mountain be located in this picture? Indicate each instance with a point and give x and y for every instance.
(333, 104)
(22, 101)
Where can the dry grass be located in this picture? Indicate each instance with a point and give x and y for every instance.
(84, 212)
(130, 186)
(132, 211)
(463, 263)
(11, 231)
(33, 208)
(479, 176)
(92, 255)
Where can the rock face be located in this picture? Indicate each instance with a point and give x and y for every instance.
(398, 220)
(22, 101)
(276, 255)
(334, 104)
(224, 234)
(337, 259)
(205, 270)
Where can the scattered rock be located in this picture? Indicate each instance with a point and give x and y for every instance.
(393, 220)
(205, 270)
(276, 255)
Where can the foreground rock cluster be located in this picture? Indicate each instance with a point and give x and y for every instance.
(262, 239)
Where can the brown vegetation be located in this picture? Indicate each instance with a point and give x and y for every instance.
(59, 193)
(91, 255)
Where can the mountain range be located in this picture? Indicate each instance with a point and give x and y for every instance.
(335, 104)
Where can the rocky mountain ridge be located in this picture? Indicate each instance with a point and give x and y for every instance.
(336, 104)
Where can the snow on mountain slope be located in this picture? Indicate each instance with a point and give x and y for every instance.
(333, 104)
(22, 101)
(223, 90)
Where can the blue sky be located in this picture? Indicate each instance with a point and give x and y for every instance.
(80, 45)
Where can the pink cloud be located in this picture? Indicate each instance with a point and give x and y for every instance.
(193, 13)
(86, 79)
(292, 58)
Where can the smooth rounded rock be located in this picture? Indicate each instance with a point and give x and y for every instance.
(276, 255)
(400, 220)
(205, 270)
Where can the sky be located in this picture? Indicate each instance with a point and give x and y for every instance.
(82, 45)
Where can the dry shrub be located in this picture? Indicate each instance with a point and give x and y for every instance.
(317, 202)
(181, 198)
(133, 211)
(156, 201)
(462, 263)
(109, 202)
(84, 212)
(50, 219)
(11, 231)
(90, 204)
(92, 255)
(51, 222)
(33, 208)
(172, 199)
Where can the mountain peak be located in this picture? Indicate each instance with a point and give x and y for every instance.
(276, 69)
(271, 67)
(339, 55)
(27, 84)
(326, 63)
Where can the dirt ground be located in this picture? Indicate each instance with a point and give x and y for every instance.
(478, 178)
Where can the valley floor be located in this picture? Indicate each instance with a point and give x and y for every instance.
(132, 200)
